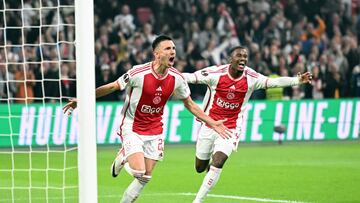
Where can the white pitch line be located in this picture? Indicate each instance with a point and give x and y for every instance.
(169, 194)
(227, 197)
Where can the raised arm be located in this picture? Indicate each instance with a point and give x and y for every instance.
(218, 126)
(203, 76)
(107, 89)
(288, 81)
(190, 78)
(100, 91)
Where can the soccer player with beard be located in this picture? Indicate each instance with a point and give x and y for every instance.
(148, 88)
(229, 89)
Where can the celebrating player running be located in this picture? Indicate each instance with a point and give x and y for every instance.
(230, 87)
(148, 88)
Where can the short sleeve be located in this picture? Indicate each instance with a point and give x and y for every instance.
(204, 76)
(182, 90)
(124, 80)
(259, 79)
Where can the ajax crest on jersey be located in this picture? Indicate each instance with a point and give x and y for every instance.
(230, 95)
(157, 100)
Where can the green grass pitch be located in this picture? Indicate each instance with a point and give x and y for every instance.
(304, 172)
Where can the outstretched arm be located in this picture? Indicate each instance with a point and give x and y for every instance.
(203, 76)
(288, 81)
(218, 126)
(190, 78)
(107, 89)
(100, 91)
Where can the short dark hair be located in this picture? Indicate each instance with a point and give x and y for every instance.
(159, 39)
(235, 48)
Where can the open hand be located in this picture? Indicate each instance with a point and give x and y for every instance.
(70, 106)
(305, 77)
(220, 128)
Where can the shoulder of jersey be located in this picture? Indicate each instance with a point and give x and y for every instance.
(175, 72)
(250, 72)
(140, 69)
(215, 69)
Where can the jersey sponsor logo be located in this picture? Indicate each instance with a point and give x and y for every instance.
(157, 100)
(150, 109)
(227, 105)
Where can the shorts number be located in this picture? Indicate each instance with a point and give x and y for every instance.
(236, 139)
(161, 145)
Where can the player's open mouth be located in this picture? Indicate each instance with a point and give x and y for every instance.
(171, 59)
(241, 65)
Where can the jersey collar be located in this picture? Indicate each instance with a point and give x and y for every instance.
(237, 79)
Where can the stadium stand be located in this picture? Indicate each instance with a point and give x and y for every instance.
(283, 37)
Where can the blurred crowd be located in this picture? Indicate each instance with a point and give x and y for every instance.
(284, 37)
(37, 52)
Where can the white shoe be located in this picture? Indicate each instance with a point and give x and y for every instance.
(117, 165)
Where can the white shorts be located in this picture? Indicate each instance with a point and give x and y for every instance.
(209, 142)
(151, 145)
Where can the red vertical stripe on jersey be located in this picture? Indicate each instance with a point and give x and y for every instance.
(150, 108)
(228, 99)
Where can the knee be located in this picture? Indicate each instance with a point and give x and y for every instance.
(201, 165)
(200, 168)
(218, 163)
(219, 159)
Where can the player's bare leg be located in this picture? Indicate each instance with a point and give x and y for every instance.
(201, 165)
(213, 175)
(219, 159)
(135, 160)
(134, 189)
(137, 163)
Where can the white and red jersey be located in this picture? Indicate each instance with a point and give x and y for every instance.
(146, 96)
(226, 97)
